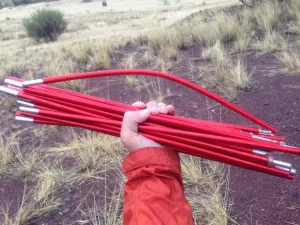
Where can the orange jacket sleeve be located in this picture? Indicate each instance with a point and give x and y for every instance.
(153, 193)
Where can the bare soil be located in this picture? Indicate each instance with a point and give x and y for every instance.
(256, 198)
(259, 198)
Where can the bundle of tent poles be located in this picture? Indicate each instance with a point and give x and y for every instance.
(247, 147)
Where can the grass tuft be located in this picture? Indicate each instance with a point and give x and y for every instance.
(292, 10)
(207, 179)
(130, 63)
(215, 54)
(155, 89)
(102, 55)
(267, 15)
(290, 61)
(111, 213)
(224, 28)
(246, 19)
(224, 74)
(6, 154)
(271, 42)
(92, 151)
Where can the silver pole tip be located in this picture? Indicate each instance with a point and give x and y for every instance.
(259, 152)
(32, 82)
(13, 82)
(282, 164)
(20, 102)
(293, 171)
(262, 131)
(9, 91)
(23, 119)
(30, 110)
(282, 168)
(264, 139)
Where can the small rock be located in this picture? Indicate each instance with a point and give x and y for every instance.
(296, 195)
(67, 199)
(66, 210)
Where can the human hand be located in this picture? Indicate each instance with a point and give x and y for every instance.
(129, 131)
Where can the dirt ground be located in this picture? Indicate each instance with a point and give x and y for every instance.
(256, 199)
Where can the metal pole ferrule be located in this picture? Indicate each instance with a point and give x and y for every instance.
(32, 82)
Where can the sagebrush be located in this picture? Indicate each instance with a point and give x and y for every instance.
(47, 24)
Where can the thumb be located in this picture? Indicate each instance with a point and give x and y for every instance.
(131, 120)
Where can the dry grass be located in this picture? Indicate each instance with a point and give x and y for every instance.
(16, 161)
(215, 54)
(6, 154)
(267, 16)
(224, 28)
(49, 180)
(130, 62)
(292, 10)
(26, 164)
(28, 209)
(290, 61)
(80, 52)
(242, 43)
(111, 20)
(59, 63)
(132, 81)
(93, 152)
(74, 85)
(246, 21)
(164, 61)
(148, 55)
(110, 213)
(76, 58)
(155, 89)
(40, 200)
(226, 75)
(239, 74)
(271, 42)
(102, 55)
(12, 67)
(208, 179)
(162, 40)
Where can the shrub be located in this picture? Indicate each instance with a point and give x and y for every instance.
(256, 2)
(24, 2)
(19, 2)
(45, 24)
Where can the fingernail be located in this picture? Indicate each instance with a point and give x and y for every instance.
(144, 111)
(163, 108)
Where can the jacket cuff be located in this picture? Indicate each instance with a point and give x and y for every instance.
(151, 156)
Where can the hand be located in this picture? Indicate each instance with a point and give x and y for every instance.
(129, 131)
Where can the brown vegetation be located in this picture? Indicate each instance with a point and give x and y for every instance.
(224, 41)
